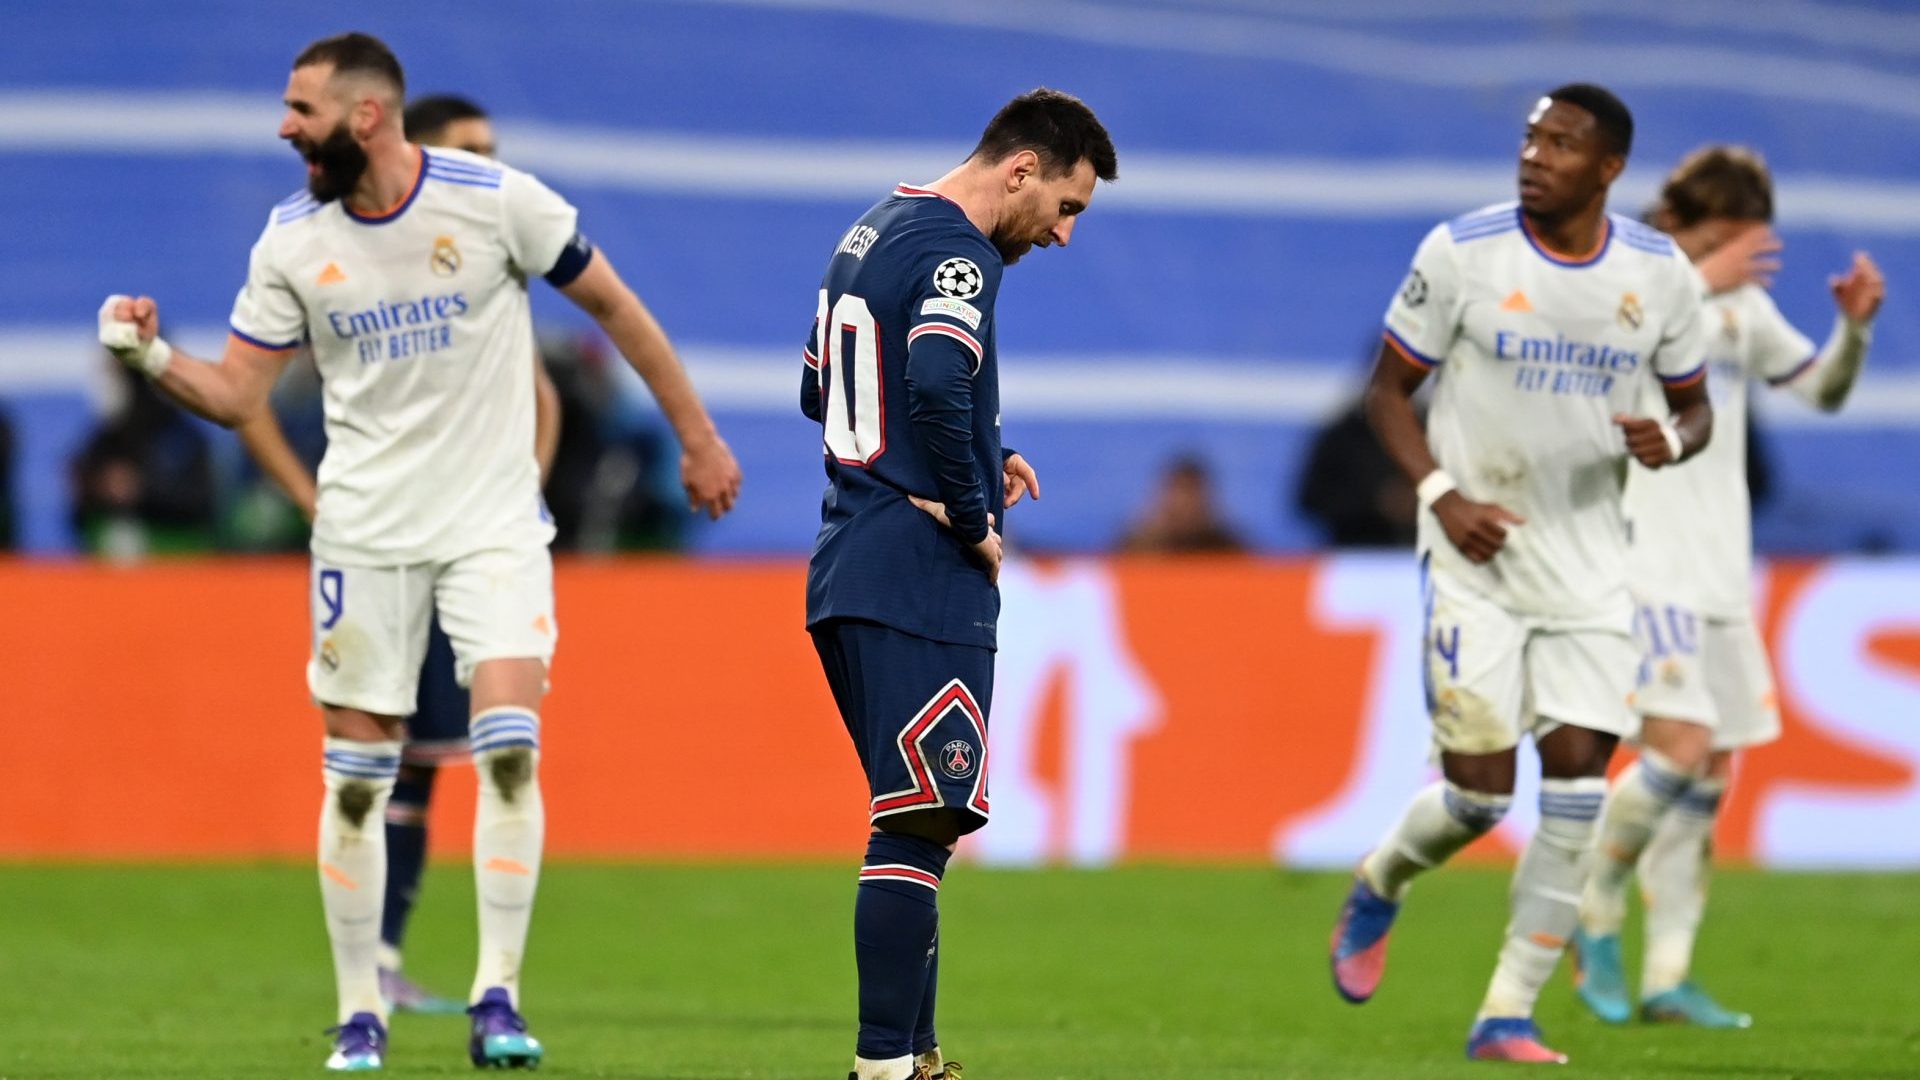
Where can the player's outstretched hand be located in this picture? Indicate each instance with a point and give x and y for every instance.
(710, 476)
(1858, 292)
(1646, 440)
(127, 325)
(1478, 529)
(990, 550)
(1749, 256)
(1020, 479)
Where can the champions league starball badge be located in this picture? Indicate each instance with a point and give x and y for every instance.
(958, 278)
(1414, 292)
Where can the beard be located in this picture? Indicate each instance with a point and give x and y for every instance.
(1012, 240)
(340, 162)
(1017, 234)
(1010, 247)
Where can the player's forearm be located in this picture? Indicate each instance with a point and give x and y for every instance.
(546, 418)
(947, 438)
(810, 394)
(1693, 422)
(640, 339)
(1391, 415)
(209, 390)
(940, 411)
(260, 433)
(1838, 364)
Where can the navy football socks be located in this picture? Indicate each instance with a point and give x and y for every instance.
(406, 849)
(923, 1037)
(896, 928)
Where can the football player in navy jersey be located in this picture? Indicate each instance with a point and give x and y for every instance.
(902, 599)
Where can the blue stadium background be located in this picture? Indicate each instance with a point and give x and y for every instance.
(1278, 163)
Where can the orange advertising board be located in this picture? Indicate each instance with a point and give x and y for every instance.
(1231, 709)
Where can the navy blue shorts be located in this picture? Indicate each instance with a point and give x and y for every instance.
(917, 712)
(437, 730)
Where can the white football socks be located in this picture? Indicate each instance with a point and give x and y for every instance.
(1441, 819)
(900, 1068)
(1673, 876)
(1546, 894)
(1634, 808)
(509, 828)
(353, 864)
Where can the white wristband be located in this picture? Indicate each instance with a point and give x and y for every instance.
(1436, 484)
(121, 337)
(158, 356)
(1673, 439)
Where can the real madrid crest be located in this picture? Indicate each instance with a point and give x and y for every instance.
(1630, 315)
(445, 259)
(1729, 324)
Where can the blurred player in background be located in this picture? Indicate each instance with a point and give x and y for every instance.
(437, 729)
(406, 271)
(1545, 321)
(1706, 690)
(902, 590)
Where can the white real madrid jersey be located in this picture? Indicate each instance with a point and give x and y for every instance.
(1692, 525)
(1534, 353)
(419, 323)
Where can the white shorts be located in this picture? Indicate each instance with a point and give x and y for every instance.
(370, 623)
(1709, 671)
(1492, 674)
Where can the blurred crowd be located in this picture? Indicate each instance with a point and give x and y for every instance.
(152, 480)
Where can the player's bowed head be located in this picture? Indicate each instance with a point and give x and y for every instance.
(1025, 184)
(1033, 172)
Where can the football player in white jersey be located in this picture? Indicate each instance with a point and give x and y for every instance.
(436, 731)
(1706, 690)
(406, 269)
(1543, 321)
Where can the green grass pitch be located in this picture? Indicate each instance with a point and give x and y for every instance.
(708, 972)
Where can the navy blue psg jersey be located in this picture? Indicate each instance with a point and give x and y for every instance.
(901, 376)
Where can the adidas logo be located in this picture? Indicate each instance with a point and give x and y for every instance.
(1516, 301)
(332, 275)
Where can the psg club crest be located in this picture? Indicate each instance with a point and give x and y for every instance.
(445, 259)
(956, 759)
(958, 278)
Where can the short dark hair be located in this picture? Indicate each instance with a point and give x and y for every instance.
(356, 52)
(1056, 126)
(1609, 113)
(430, 115)
(1718, 182)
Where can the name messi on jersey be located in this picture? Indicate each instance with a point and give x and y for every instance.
(396, 329)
